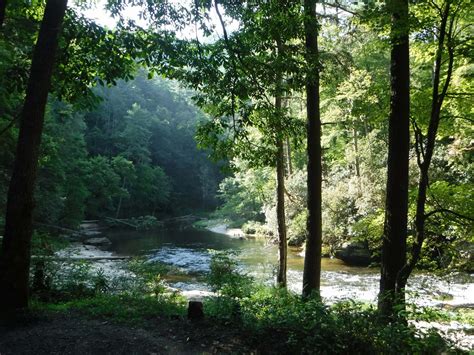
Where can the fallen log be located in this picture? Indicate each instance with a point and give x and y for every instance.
(62, 229)
(122, 222)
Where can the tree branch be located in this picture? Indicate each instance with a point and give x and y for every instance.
(10, 124)
(445, 210)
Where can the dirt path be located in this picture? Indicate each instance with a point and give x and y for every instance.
(68, 333)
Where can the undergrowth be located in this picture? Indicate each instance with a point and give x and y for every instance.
(124, 308)
(279, 319)
(135, 295)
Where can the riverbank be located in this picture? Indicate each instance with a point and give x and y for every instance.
(220, 227)
(124, 324)
(186, 257)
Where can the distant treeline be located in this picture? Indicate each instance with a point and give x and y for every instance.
(133, 154)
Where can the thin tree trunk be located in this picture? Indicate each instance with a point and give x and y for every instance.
(357, 160)
(119, 207)
(392, 292)
(288, 153)
(15, 256)
(287, 146)
(312, 262)
(280, 164)
(282, 242)
(425, 154)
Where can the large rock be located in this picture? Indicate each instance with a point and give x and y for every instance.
(354, 253)
(97, 241)
(296, 240)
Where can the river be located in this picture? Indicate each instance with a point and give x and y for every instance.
(190, 250)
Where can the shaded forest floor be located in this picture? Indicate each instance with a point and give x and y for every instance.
(72, 333)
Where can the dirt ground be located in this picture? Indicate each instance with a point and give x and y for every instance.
(71, 333)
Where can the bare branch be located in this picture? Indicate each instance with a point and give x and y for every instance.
(337, 5)
(448, 211)
(10, 124)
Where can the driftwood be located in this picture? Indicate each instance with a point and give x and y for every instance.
(116, 220)
(178, 219)
(163, 222)
(62, 229)
(74, 232)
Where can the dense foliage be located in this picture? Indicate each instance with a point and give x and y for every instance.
(355, 102)
(133, 154)
(278, 319)
(117, 147)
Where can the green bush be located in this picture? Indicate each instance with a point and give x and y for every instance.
(54, 281)
(256, 229)
(63, 281)
(279, 319)
(225, 278)
(138, 295)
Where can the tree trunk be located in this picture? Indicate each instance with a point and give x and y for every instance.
(287, 146)
(357, 159)
(3, 6)
(356, 151)
(288, 153)
(15, 256)
(425, 151)
(119, 207)
(392, 292)
(282, 242)
(280, 164)
(312, 262)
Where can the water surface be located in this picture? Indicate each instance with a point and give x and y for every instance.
(190, 250)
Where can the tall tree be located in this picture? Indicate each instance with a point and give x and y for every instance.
(392, 291)
(15, 253)
(447, 31)
(255, 61)
(312, 261)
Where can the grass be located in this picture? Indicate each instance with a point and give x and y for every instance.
(122, 308)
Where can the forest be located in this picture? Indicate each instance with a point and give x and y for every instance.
(226, 176)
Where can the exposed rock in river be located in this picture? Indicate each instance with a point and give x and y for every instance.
(354, 253)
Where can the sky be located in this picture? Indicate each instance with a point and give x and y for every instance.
(103, 18)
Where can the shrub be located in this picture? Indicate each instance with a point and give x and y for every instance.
(279, 319)
(130, 297)
(63, 281)
(225, 278)
(256, 228)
